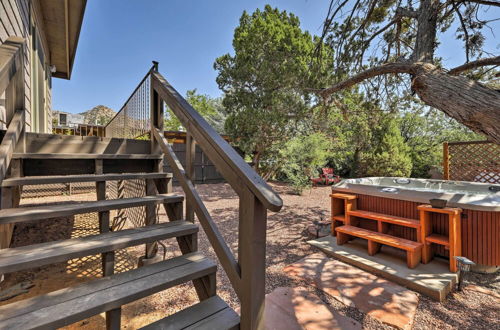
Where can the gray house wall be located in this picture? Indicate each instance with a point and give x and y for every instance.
(15, 18)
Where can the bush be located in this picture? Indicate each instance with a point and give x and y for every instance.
(301, 157)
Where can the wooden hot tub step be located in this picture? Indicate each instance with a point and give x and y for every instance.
(413, 249)
(386, 218)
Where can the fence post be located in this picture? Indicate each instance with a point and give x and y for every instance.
(446, 162)
(252, 260)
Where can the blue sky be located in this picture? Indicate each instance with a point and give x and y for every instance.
(119, 39)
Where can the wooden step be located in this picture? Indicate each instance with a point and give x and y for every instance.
(37, 255)
(438, 239)
(66, 306)
(339, 217)
(385, 239)
(39, 212)
(85, 156)
(386, 218)
(51, 179)
(343, 196)
(212, 313)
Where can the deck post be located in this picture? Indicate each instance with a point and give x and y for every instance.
(113, 317)
(156, 113)
(190, 172)
(252, 260)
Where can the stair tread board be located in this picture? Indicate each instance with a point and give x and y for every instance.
(378, 237)
(73, 304)
(385, 218)
(438, 239)
(212, 313)
(36, 255)
(343, 196)
(84, 156)
(38, 212)
(38, 180)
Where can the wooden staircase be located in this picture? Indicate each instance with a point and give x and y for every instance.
(134, 148)
(108, 294)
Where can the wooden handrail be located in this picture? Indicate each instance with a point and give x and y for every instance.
(221, 249)
(14, 132)
(234, 169)
(10, 61)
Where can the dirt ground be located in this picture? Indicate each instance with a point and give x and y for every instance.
(286, 243)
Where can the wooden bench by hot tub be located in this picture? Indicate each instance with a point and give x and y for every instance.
(413, 249)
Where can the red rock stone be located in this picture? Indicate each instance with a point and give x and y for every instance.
(377, 297)
(296, 309)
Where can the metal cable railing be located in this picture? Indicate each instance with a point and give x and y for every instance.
(133, 119)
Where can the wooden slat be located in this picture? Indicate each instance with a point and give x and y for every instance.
(69, 305)
(212, 313)
(220, 247)
(84, 156)
(55, 211)
(41, 180)
(343, 196)
(10, 61)
(202, 131)
(386, 218)
(9, 142)
(438, 239)
(339, 217)
(37, 255)
(379, 237)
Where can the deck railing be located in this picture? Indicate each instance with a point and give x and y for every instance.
(12, 87)
(132, 121)
(246, 272)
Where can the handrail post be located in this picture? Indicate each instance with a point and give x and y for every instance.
(156, 113)
(190, 171)
(14, 93)
(252, 260)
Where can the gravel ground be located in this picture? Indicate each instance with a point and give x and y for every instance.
(286, 243)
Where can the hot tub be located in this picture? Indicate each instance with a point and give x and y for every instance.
(480, 204)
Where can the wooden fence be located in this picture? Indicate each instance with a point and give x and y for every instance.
(477, 161)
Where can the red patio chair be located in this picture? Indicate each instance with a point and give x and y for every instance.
(326, 177)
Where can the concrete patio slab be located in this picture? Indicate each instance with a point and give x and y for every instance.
(297, 308)
(386, 301)
(433, 279)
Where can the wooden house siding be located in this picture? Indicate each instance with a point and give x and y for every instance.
(15, 21)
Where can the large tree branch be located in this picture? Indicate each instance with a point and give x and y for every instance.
(469, 102)
(495, 3)
(475, 64)
(395, 67)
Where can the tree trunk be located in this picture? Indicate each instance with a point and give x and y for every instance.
(426, 31)
(469, 102)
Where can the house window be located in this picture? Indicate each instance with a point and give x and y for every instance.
(63, 119)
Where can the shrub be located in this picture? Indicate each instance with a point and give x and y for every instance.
(301, 157)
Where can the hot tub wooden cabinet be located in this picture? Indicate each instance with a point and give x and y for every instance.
(478, 219)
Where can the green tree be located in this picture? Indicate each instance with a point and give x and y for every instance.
(264, 81)
(302, 156)
(210, 108)
(424, 131)
(393, 46)
(391, 155)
